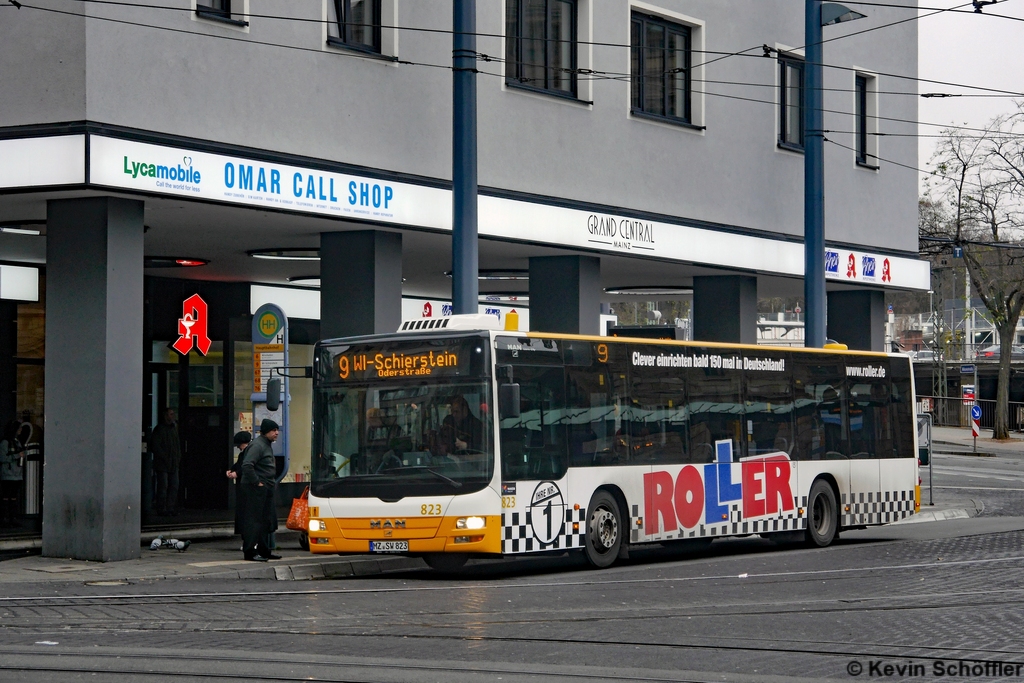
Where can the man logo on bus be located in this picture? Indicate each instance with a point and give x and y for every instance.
(692, 499)
(832, 262)
(192, 327)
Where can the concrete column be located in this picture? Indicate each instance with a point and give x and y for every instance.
(8, 368)
(725, 308)
(360, 283)
(565, 294)
(857, 319)
(94, 295)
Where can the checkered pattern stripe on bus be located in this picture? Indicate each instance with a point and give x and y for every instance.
(517, 532)
(790, 521)
(879, 507)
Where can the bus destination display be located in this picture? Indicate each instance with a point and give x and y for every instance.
(402, 361)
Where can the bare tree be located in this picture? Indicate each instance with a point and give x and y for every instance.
(980, 182)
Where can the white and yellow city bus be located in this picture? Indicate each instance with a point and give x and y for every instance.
(451, 443)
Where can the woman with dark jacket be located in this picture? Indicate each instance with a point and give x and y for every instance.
(242, 441)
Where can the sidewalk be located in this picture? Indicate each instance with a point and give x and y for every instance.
(962, 442)
(219, 558)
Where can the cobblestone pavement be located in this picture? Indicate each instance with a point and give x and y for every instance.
(746, 610)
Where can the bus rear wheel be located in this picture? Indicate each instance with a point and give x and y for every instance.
(446, 563)
(604, 530)
(822, 515)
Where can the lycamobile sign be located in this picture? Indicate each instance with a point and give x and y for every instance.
(180, 173)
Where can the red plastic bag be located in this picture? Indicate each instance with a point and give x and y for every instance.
(298, 518)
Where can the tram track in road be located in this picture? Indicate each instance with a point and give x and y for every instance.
(860, 604)
(837, 650)
(271, 661)
(179, 598)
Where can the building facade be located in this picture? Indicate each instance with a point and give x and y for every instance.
(151, 152)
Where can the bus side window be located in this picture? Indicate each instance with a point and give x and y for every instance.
(819, 413)
(595, 409)
(658, 425)
(715, 411)
(902, 409)
(870, 416)
(768, 398)
(533, 445)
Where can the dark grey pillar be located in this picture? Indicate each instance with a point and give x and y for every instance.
(94, 359)
(725, 308)
(360, 283)
(857, 319)
(8, 367)
(565, 294)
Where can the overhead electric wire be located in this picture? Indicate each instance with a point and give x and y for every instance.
(720, 54)
(585, 74)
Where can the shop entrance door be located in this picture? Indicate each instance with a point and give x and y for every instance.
(194, 388)
(205, 459)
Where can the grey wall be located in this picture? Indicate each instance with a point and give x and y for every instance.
(857, 319)
(216, 82)
(94, 364)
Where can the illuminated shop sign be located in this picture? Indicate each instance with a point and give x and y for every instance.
(215, 177)
(192, 327)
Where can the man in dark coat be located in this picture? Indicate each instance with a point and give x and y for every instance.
(166, 449)
(258, 480)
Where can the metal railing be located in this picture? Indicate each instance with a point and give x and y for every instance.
(953, 411)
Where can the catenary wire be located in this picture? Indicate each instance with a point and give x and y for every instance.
(441, 66)
(721, 54)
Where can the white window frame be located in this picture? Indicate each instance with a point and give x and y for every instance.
(388, 36)
(238, 21)
(871, 120)
(698, 39)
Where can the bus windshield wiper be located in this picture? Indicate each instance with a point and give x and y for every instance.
(424, 468)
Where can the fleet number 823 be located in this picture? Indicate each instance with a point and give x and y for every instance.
(430, 510)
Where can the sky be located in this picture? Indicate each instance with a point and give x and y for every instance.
(971, 49)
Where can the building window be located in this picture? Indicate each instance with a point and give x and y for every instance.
(358, 24)
(865, 141)
(214, 8)
(791, 101)
(660, 67)
(540, 45)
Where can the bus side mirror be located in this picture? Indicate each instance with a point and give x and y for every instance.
(508, 400)
(273, 394)
(923, 456)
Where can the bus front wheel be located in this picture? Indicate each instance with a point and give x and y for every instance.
(604, 530)
(822, 515)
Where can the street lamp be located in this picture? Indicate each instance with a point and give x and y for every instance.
(816, 15)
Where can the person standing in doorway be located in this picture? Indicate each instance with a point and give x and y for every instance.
(258, 480)
(166, 447)
(12, 461)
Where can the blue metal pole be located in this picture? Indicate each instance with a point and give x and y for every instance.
(465, 258)
(814, 180)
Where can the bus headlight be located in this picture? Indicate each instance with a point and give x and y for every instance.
(470, 523)
(317, 525)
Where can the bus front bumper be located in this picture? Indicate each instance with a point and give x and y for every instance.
(354, 535)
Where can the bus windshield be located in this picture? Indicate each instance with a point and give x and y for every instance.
(395, 440)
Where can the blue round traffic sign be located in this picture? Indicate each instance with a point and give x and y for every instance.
(975, 412)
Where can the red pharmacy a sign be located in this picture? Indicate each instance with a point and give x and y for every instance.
(192, 327)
